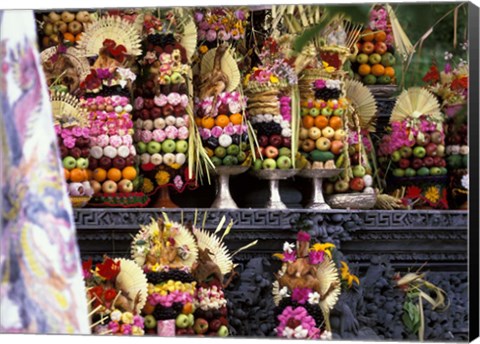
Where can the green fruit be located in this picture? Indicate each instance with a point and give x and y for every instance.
(318, 155)
(228, 160)
(216, 161)
(241, 157)
(370, 79)
(455, 161)
(399, 172)
(220, 152)
(243, 146)
(384, 80)
(443, 171)
(340, 161)
(257, 165)
(233, 149)
(410, 172)
(465, 161)
(424, 171)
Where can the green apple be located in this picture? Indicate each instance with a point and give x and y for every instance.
(241, 157)
(396, 156)
(168, 146)
(369, 79)
(399, 172)
(181, 146)
(388, 59)
(410, 172)
(216, 160)
(182, 321)
(284, 151)
(233, 149)
(362, 58)
(257, 164)
(284, 162)
(155, 147)
(223, 331)
(141, 147)
(374, 58)
(358, 171)
(220, 152)
(69, 162)
(269, 164)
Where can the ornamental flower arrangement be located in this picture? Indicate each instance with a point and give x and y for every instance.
(73, 137)
(162, 122)
(306, 289)
(117, 291)
(220, 24)
(167, 251)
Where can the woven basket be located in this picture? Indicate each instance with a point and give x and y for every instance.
(79, 201)
(352, 201)
(309, 76)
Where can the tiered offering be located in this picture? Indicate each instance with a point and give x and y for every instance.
(162, 124)
(106, 99)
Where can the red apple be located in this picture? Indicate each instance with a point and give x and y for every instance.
(357, 184)
(145, 114)
(179, 111)
(263, 141)
(431, 149)
(271, 152)
(336, 147)
(168, 110)
(125, 186)
(368, 48)
(308, 145)
(428, 161)
(287, 142)
(417, 163)
(148, 103)
(75, 152)
(214, 325)
(380, 48)
(276, 141)
(85, 152)
(404, 163)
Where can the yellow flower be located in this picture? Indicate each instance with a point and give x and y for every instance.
(162, 177)
(432, 194)
(175, 166)
(323, 247)
(273, 79)
(147, 185)
(245, 81)
(127, 318)
(203, 49)
(347, 276)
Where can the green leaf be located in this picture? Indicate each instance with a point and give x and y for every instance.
(356, 14)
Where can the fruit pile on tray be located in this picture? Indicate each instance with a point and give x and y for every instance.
(66, 27)
(322, 133)
(162, 126)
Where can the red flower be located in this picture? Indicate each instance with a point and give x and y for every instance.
(87, 267)
(109, 269)
(432, 76)
(459, 84)
(96, 291)
(110, 295)
(413, 192)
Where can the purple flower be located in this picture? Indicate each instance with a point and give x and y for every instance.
(303, 236)
(205, 134)
(229, 129)
(113, 326)
(320, 83)
(240, 15)
(316, 257)
(217, 131)
(300, 295)
(178, 182)
(204, 26)
(448, 68)
(69, 142)
(86, 132)
(138, 321)
(289, 256)
(198, 16)
(223, 35)
(104, 73)
(58, 129)
(211, 35)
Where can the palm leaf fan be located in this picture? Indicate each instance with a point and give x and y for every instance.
(402, 43)
(327, 274)
(364, 103)
(110, 27)
(228, 65)
(414, 101)
(185, 240)
(79, 62)
(66, 110)
(217, 248)
(131, 280)
(189, 38)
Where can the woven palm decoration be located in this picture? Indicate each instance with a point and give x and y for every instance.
(364, 103)
(67, 111)
(327, 274)
(189, 38)
(228, 65)
(114, 28)
(402, 43)
(79, 62)
(150, 236)
(414, 102)
(132, 281)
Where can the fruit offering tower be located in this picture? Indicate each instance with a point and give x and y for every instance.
(220, 109)
(162, 123)
(114, 43)
(272, 92)
(375, 59)
(306, 290)
(415, 149)
(353, 188)
(116, 291)
(73, 135)
(167, 252)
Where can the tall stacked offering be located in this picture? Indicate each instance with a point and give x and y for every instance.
(162, 97)
(167, 251)
(113, 43)
(117, 291)
(73, 135)
(272, 93)
(306, 290)
(413, 154)
(353, 188)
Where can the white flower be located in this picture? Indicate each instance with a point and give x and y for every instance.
(268, 118)
(283, 292)
(287, 132)
(326, 335)
(465, 181)
(313, 298)
(116, 315)
(285, 124)
(288, 332)
(300, 332)
(464, 45)
(277, 118)
(288, 247)
(448, 56)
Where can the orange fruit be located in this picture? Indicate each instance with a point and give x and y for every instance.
(336, 122)
(308, 121)
(321, 122)
(129, 173)
(208, 122)
(210, 152)
(364, 69)
(78, 175)
(390, 71)
(114, 174)
(378, 69)
(367, 35)
(380, 36)
(198, 121)
(99, 174)
(89, 174)
(222, 121)
(67, 36)
(236, 118)
(78, 36)
(66, 174)
(187, 308)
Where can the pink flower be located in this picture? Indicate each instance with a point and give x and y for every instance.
(103, 140)
(159, 135)
(178, 182)
(202, 34)
(303, 236)
(58, 129)
(69, 142)
(146, 136)
(138, 321)
(127, 140)
(237, 129)
(316, 257)
(205, 133)
(229, 129)
(116, 141)
(300, 295)
(289, 256)
(184, 100)
(174, 98)
(183, 133)
(160, 100)
(204, 26)
(126, 329)
(113, 326)
(138, 103)
(211, 35)
(217, 131)
(171, 132)
(223, 35)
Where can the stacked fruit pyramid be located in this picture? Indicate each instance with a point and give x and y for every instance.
(220, 113)
(272, 93)
(162, 124)
(65, 27)
(106, 99)
(375, 60)
(73, 136)
(166, 251)
(323, 108)
(357, 177)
